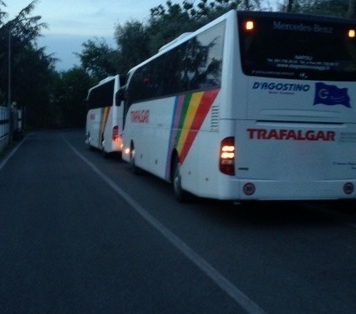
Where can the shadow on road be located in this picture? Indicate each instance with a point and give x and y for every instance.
(274, 213)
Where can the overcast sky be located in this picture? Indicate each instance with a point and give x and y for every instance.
(73, 22)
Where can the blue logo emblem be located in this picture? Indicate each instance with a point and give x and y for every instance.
(331, 95)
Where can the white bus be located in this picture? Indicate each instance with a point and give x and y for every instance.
(104, 121)
(253, 106)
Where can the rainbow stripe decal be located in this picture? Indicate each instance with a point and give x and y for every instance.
(104, 114)
(190, 111)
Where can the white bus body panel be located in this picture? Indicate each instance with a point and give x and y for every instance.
(290, 147)
(100, 122)
(287, 145)
(294, 165)
(144, 122)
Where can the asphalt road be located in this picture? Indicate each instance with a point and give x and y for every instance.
(81, 234)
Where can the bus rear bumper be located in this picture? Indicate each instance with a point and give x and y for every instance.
(243, 190)
(291, 190)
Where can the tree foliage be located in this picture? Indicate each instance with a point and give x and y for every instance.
(98, 58)
(133, 44)
(29, 66)
(70, 88)
(136, 41)
(167, 23)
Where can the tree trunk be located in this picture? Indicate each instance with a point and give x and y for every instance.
(290, 5)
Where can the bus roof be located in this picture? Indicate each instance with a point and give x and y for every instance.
(299, 16)
(186, 36)
(103, 81)
(107, 79)
(180, 39)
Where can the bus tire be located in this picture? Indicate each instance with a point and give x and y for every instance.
(90, 147)
(179, 193)
(103, 152)
(134, 168)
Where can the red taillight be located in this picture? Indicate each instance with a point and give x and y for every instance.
(227, 156)
(115, 134)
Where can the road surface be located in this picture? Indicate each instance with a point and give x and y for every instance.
(82, 234)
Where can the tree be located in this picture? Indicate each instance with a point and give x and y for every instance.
(30, 66)
(290, 6)
(71, 87)
(32, 70)
(98, 59)
(133, 42)
(165, 24)
(168, 22)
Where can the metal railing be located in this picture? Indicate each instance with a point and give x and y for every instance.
(4, 127)
(16, 124)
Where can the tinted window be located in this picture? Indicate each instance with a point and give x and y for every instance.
(102, 96)
(194, 65)
(298, 48)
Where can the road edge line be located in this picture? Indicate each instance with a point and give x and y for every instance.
(237, 295)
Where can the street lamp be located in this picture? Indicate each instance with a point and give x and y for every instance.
(13, 23)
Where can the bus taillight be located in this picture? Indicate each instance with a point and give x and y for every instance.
(227, 156)
(115, 134)
(351, 33)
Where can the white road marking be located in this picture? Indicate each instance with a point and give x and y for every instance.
(237, 295)
(4, 162)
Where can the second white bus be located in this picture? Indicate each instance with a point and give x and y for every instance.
(104, 121)
(253, 106)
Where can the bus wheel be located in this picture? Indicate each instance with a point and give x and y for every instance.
(179, 193)
(133, 166)
(103, 152)
(88, 143)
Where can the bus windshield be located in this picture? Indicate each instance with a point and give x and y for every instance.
(102, 96)
(303, 48)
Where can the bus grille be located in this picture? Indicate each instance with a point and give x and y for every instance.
(214, 119)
